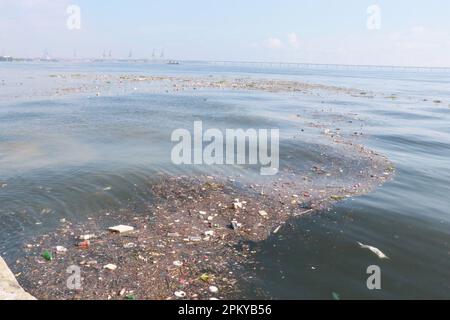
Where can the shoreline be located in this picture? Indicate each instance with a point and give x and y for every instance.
(10, 289)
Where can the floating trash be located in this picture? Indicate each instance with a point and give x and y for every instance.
(180, 294)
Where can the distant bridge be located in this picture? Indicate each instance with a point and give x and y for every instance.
(323, 66)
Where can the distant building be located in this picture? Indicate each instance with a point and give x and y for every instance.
(6, 58)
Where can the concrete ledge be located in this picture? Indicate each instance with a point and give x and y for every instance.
(10, 289)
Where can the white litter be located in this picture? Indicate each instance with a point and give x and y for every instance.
(110, 267)
(61, 249)
(276, 229)
(177, 263)
(213, 289)
(87, 236)
(180, 294)
(262, 213)
(121, 229)
(237, 204)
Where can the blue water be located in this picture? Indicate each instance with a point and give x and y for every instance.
(59, 152)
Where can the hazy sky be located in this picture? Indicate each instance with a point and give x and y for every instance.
(412, 32)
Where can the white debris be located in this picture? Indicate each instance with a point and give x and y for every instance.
(87, 236)
(377, 251)
(61, 249)
(237, 204)
(180, 294)
(177, 263)
(121, 229)
(173, 234)
(277, 229)
(235, 225)
(213, 289)
(110, 266)
(209, 233)
(262, 213)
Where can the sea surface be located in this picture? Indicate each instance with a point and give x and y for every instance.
(71, 155)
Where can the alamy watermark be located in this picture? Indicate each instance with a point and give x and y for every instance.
(374, 17)
(74, 17)
(236, 146)
(374, 280)
(74, 280)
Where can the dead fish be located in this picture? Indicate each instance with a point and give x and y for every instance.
(377, 251)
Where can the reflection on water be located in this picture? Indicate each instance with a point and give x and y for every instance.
(75, 156)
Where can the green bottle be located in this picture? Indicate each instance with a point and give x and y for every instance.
(47, 255)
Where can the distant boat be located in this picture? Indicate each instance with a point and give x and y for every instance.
(173, 62)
